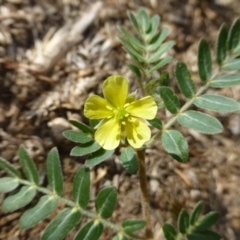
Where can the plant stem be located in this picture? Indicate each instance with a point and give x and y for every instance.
(144, 192)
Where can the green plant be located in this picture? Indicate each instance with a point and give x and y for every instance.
(121, 113)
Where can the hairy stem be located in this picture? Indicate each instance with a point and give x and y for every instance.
(144, 193)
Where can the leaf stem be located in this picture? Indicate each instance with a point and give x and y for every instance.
(144, 192)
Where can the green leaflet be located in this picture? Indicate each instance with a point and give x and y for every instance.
(132, 225)
(98, 157)
(157, 40)
(54, 171)
(185, 82)
(19, 200)
(45, 206)
(207, 221)
(221, 46)
(81, 126)
(91, 230)
(81, 187)
(129, 160)
(85, 149)
(226, 81)
(196, 212)
(234, 35)
(183, 221)
(170, 99)
(232, 65)
(9, 168)
(77, 137)
(7, 184)
(216, 103)
(175, 144)
(204, 61)
(169, 231)
(106, 201)
(29, 167)
(62, 224)
(200, 122)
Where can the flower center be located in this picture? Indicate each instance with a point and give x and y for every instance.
(121, 113)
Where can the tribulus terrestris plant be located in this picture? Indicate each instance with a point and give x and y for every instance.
(126, 121)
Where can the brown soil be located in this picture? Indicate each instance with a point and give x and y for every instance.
(46, 76)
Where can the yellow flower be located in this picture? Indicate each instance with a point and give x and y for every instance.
(120, 113)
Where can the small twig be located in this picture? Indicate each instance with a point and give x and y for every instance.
(144, 192)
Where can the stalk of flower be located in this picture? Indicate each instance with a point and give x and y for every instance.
(121, 114)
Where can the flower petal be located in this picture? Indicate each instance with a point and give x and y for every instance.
(96, 108)
(137, 132)
(143, 108)
(115, 90)
(108, 134)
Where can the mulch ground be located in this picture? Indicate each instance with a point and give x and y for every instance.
(53, 54)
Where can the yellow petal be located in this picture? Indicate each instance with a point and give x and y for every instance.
(96, 108)
(115, 90)
(137, 132)
(108, 134)
(143, 108)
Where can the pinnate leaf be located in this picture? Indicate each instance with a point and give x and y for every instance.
(216, 103)
(204, 61)
(81, 186)
(18, 200)
(185, 82)
(175, 144)
(200, 122)
(62, 224)
(90, 231)
(29, 167)
(7, 184)
(40, 211)
(54, 171)
(106, 201)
